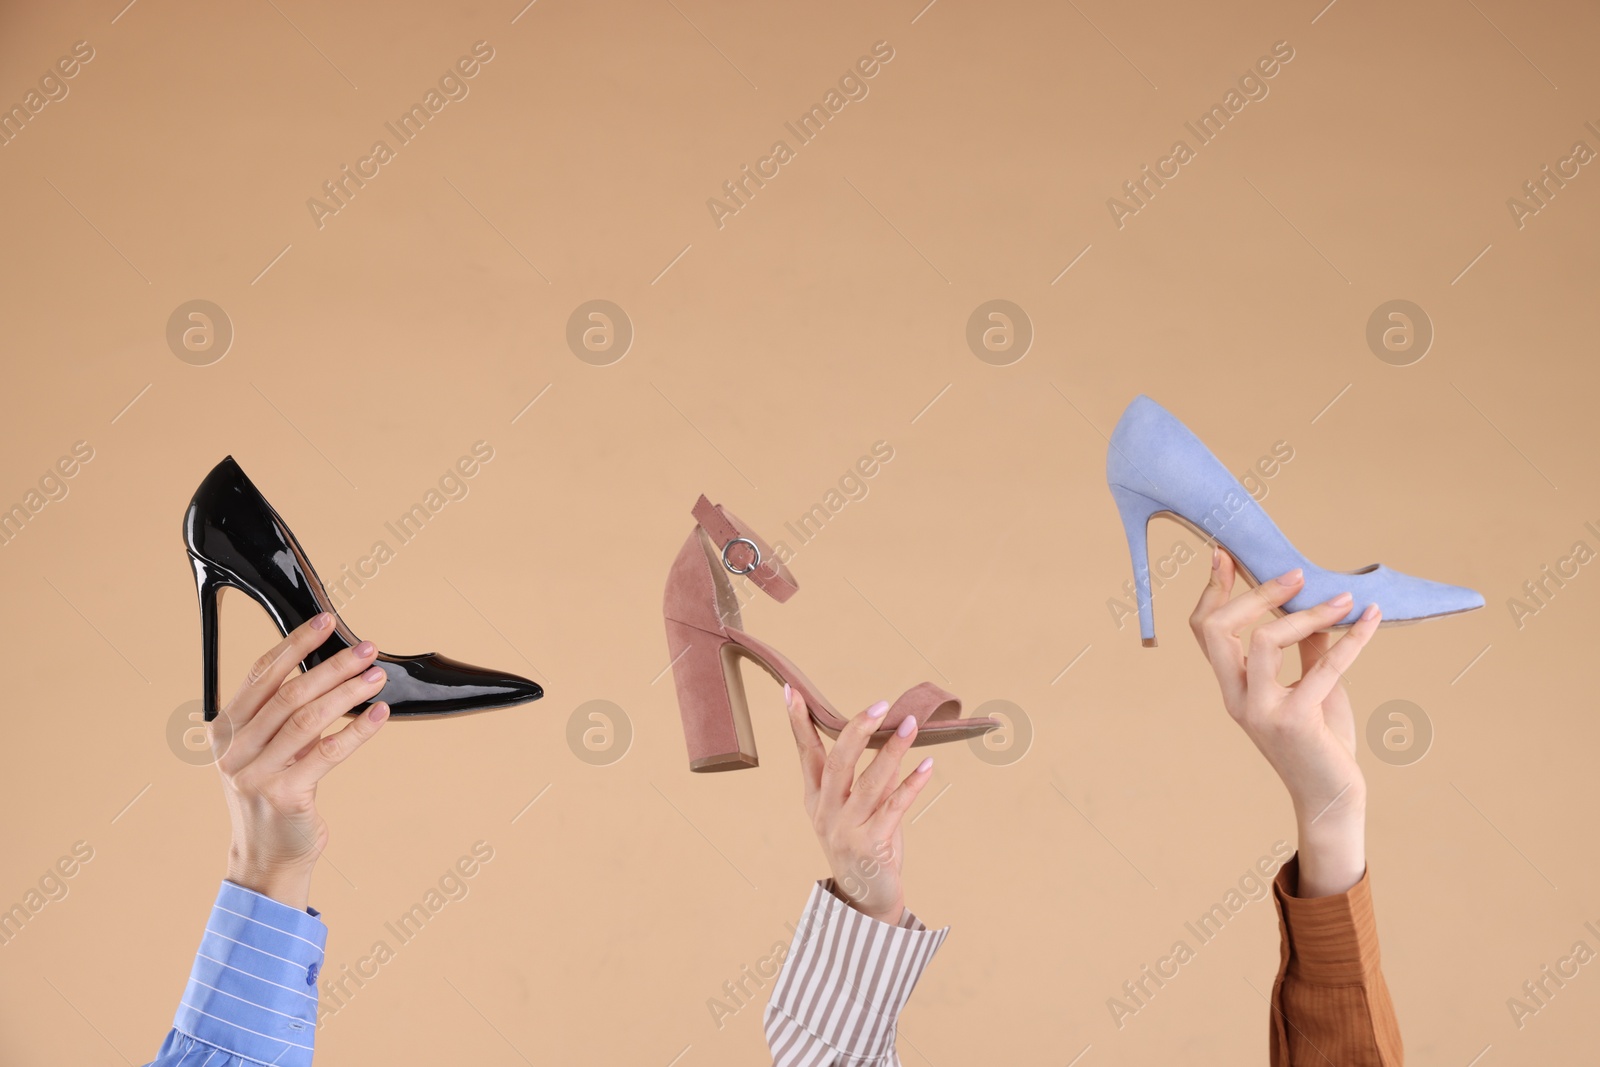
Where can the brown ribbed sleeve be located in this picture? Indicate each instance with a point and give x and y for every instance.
(1330, 1005)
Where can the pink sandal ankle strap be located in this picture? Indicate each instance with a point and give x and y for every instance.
(744, 552)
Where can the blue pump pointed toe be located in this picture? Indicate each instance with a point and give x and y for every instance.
(1156, 466)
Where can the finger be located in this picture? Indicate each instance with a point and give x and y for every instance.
(1312, 648)
(813, 754)
(1320, 680)
(269, 671)
(327, 753)
(1238, 613)
(1221, 647)
(1262, 660)
(308, 721)
(301, 753)
(307, 747)
(1269, 640)
(892, 810)
(1219, 588)
(1336, 710)
(839, 771)
(880, 774)
(296, 693)
(1295, 627)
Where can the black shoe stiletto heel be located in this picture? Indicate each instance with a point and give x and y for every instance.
(236, 540)
(210, 601)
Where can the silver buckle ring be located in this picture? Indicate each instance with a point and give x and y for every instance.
(753, 548)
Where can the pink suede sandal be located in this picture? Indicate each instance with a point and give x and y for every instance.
(705, 641)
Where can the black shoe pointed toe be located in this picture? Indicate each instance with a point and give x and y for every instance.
(236, 540)
(432, 684)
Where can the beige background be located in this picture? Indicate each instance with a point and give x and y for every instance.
(825, 316)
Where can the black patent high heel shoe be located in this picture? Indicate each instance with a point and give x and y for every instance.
(236, 540)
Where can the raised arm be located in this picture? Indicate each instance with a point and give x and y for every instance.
(1329, 1003)
(857, 952)
(252, 993)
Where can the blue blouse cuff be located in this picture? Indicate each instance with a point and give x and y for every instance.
(253, 990)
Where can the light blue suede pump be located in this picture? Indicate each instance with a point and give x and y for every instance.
(1156, 466)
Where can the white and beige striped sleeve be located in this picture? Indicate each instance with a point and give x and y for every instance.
(838, 997)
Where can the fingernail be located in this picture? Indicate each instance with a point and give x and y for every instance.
(907, 725)
(1292, 578)
(788, 696)
(365, 649)
(322, 622)
(925, 766)
(1371, 613)
(1216, 557)
(378, 712)
(374, 674)
(878, 710)
(1339, 601)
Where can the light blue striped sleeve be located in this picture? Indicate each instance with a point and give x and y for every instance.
(252, 995)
